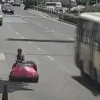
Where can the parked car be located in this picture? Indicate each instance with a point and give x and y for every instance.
(1, 17)
(96, 5)
(8, 8)
(17, 3)
(11, 1)
(78, 8)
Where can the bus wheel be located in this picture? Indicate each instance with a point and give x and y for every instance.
(81, 68)
(98, 87)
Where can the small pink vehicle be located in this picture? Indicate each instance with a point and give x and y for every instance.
(24, 71)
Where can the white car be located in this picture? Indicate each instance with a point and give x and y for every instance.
(96, 5)
(78, 8)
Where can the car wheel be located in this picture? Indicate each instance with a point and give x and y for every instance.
(81, 68)
(36, 80)
(0, 24)
(10, 79)
(12, 12)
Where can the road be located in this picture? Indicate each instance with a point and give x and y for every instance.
(59, 77)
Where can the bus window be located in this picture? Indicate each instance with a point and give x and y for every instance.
(85, 33)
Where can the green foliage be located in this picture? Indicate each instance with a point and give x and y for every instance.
(81, 2)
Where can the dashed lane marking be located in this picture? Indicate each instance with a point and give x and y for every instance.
(22, 37)
(8, 26)
(29, 42)
(17, 33)
(2, 56)
(71, 39)
(45, 27)
(39, 49)
(50, 58)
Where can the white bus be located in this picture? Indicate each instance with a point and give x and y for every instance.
(87, 45)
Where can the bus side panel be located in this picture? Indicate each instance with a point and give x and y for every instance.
(85, 56)
(96, 63)
(76, 51)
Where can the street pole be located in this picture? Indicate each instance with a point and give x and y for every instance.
(69, 4)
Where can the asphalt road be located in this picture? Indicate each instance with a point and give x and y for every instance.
(59, 78)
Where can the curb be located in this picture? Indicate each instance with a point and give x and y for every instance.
(67, 22)
(62, 20)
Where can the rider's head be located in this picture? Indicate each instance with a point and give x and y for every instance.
(19, 51)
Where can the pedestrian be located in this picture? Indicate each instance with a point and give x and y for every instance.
(20, 56)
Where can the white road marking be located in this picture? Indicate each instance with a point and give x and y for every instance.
(12, 29)
(22, 37)
(45, 27)
(29, 42)
(52, 30)
(8, 26)
(2, 56)
(50, 58)
(39, 49)
(71, 39)
(49, 31)
(17, 33)
(60, 34)
(39, 24)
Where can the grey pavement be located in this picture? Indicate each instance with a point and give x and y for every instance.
(59, 78)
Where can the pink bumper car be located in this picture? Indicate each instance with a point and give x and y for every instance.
(24, 71)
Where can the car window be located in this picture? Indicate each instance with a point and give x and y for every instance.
(8, 5)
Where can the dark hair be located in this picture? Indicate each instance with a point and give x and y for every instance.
(19, 50)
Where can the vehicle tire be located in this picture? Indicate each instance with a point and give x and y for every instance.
(36, 81)
(12, 12)
(81, 68)
(0, 24)
(10, 79)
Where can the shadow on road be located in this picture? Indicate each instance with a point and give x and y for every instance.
(88, 83)
(14, 86)
(38, 40)
(17, 86)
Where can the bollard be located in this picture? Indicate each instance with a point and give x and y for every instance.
(5, 93)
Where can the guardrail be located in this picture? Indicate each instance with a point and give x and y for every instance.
(63, 16)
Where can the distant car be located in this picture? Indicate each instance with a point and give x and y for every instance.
(78, 8)
(24, 71)
(96, 5)
(1, 17)
(8, 8)
(16, 3)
